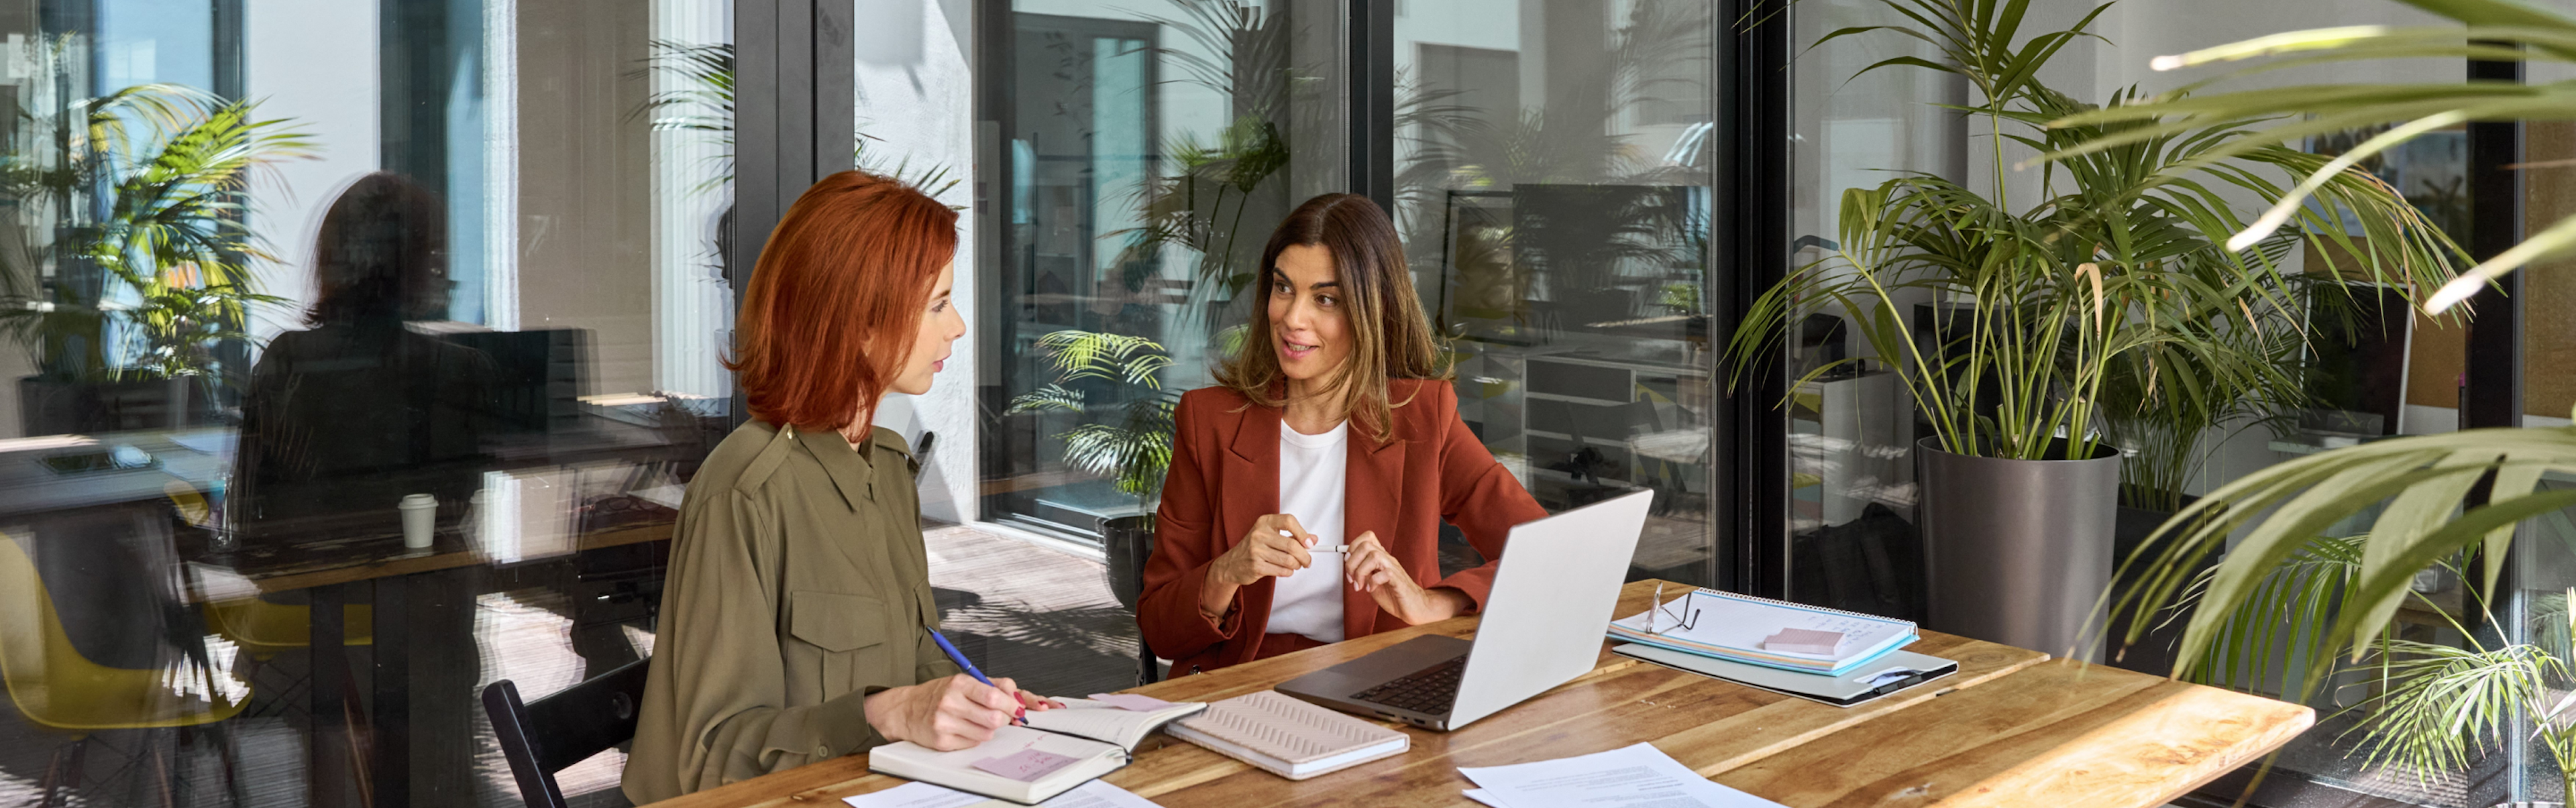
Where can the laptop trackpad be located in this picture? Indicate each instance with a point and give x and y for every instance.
(1343, 680)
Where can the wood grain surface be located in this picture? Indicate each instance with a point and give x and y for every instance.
(2010, 728)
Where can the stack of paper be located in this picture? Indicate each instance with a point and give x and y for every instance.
(1636, 775)
(1761, 631)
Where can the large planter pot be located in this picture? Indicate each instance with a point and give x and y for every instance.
(1128, 540)
(2017, 551)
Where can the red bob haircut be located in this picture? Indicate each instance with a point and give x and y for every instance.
(836, 299)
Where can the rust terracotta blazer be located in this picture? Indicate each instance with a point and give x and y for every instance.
(1225, 474)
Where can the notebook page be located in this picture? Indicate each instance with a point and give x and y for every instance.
(1742, 624)
(1093, 719)
(1011, 739)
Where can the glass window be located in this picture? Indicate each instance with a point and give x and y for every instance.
(290, 284)
(1147, 150)
(1135, 159)
(1555, 165)
(2366, 368)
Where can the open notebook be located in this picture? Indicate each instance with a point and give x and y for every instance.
(1056, 751)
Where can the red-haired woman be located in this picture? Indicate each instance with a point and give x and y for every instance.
(795, 624)
(1335, 425)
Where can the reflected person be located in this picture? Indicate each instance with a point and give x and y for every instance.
(345, 418)
(795, 625)
(1336, 425)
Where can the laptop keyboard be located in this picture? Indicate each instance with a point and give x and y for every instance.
(1429, 690)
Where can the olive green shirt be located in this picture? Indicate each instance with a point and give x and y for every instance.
(798, 586)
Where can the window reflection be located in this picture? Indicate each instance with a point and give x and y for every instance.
(1554, 171)
(266, 269)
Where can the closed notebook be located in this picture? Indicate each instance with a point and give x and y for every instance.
(1288, 737)
(1019, 764)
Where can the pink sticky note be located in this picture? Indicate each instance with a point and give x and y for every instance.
(1025, 765)
(1803, 641)
(1131, 701)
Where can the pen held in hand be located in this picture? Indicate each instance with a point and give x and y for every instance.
(1018, 715)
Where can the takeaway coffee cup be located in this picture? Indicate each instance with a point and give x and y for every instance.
(419, 518)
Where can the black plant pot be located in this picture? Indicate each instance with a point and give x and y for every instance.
(2154, 652)
(1128, 540)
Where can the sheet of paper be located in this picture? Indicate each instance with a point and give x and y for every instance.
(1094, 794)
(1639, 775)
(1486, 797)
(1131, 701)
(914, 795)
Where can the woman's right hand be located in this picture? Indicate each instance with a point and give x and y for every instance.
(1274, 547)
(944, 714)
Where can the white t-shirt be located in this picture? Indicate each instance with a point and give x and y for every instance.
(1312, 482)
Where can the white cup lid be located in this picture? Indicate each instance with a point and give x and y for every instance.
(419, 501)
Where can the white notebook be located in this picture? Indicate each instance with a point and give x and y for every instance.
(1287, 737)
(1019, 764)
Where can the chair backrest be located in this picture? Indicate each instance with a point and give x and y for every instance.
(543, 737)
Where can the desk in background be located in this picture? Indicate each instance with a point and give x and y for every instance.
(2012, 728)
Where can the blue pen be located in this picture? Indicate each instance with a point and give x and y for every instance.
(959, 657)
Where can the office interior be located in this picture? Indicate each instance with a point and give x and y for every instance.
(1588, 191)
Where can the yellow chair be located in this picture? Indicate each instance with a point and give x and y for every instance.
(58, 689)
(262, 629)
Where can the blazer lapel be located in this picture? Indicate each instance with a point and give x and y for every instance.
(1374, 479)
(1250, 489)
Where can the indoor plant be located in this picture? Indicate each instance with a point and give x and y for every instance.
(138, 206)
(2118, 260)
(2438, 497)
(1127, 439)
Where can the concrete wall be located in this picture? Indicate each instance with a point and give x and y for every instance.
(915, 101)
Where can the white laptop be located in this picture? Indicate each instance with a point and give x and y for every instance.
(1555, 589)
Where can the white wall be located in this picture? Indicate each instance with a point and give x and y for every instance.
(312, 61)
(915, 97)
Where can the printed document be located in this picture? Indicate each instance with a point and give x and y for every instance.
(1638, 776)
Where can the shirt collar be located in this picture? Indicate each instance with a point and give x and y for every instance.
(852, 471)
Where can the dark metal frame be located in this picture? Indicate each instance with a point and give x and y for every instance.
(1756, 449)
(795, 82)
(2494, 368)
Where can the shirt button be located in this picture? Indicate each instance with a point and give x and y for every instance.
(822, 751)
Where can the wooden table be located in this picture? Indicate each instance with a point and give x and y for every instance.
(2011, 728)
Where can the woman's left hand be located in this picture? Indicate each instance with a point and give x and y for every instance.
(1368, 566)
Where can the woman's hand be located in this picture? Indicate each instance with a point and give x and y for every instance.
(1368, 566)
(1264, 553)
(949, 714)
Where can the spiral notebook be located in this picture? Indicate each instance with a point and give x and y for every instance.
(1288, 737)
(1736, 627)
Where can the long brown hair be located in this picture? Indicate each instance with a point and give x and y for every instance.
(1390, 339)
(835, 301)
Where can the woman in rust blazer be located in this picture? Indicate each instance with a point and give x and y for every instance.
(1334, 427)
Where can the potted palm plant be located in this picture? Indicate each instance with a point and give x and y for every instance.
(1127, 439)
(152, 260)
(2422, 502)
(2006, 318)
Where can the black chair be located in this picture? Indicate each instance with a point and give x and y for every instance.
(563, 729)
